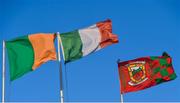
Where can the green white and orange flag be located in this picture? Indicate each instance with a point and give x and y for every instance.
(79, 43)
(27, 53)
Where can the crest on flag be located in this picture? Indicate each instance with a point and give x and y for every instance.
(137, 73)
(144, 72)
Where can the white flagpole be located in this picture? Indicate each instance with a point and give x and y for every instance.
(3, 73)
(122, 101)
(60, 69)
(122, 98)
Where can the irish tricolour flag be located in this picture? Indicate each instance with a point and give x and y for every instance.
(27, 53)
(81, 42)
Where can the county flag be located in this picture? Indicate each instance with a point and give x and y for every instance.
(28, 52)
(145, 72)
(79, 43)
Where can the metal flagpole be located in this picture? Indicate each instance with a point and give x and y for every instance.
(120, 78)
(60, 69)
(121, 98)
(3, 73)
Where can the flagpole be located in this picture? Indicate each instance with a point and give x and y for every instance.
(3, 73)
(122, 101)
(122, 98)
(60, 69)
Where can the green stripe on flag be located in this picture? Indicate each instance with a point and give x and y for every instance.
(20, 55)
(72, 45)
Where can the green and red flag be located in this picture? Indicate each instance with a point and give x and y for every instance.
(145, 72)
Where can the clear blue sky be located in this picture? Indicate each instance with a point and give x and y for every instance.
(144, 27)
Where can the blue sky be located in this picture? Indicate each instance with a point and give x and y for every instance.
(144, 27)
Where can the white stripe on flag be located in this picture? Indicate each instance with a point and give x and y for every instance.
(90, 38)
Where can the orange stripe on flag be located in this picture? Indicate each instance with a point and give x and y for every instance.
(107, 38)
(44, 50)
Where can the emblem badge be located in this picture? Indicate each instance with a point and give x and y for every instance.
(137, 73)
